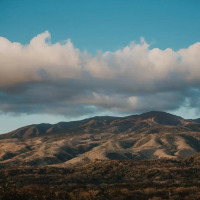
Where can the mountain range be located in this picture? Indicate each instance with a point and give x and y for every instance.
(150, 135)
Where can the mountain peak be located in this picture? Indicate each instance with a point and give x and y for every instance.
(163, 118)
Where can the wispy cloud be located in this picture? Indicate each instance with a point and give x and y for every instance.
(60, 79)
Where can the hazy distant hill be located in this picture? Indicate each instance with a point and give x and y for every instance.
(138, 137)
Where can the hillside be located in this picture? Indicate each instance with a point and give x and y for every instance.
(98, 125)
(150, 135)
(161, 179)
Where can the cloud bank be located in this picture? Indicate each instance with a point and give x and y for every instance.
(42, 77)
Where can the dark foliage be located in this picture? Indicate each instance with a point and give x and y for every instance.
(150, 179)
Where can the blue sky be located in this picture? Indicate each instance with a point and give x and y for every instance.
(93, 26)
(104, 25)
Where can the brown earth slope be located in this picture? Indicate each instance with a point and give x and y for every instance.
(150, 135)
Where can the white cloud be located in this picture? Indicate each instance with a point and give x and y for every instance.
(38, 60)
(135, 78)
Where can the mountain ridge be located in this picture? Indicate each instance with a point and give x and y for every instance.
(150, 135)
(34, 130)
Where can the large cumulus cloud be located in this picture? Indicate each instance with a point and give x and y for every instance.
(42, 77)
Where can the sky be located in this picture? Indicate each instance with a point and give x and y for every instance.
(67, 60)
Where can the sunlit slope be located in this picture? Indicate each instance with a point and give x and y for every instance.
(150, 135)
